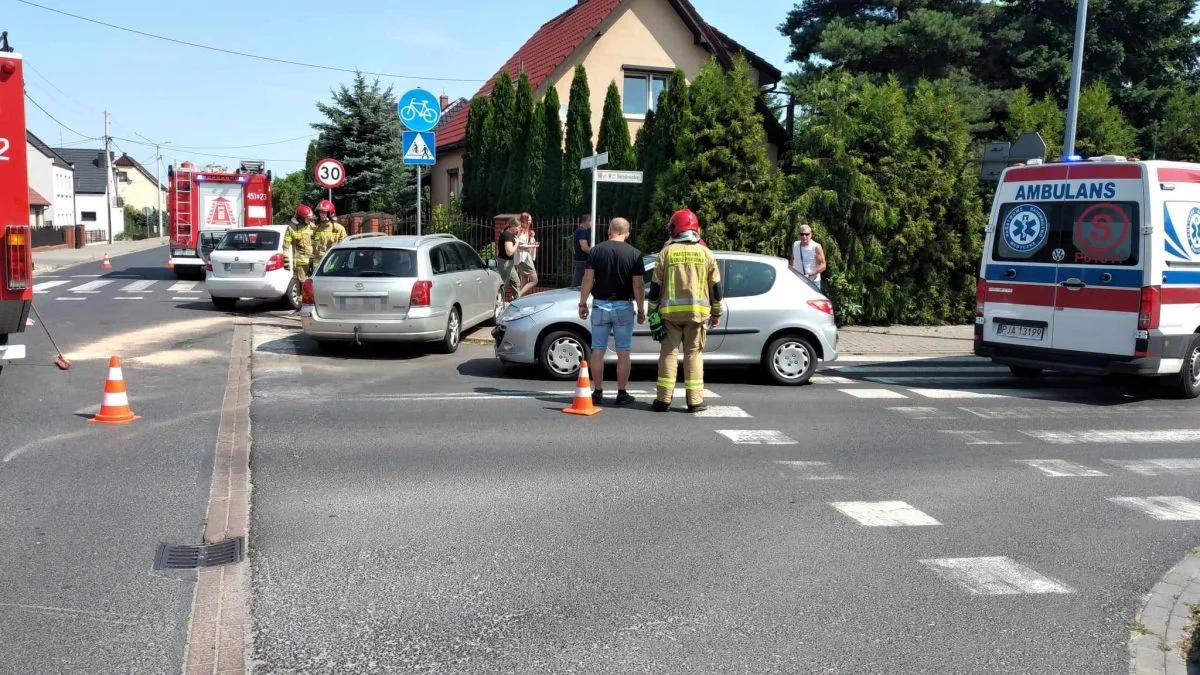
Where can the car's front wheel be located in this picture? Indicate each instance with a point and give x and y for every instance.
(560, 354)
(790, 360)
(449, 342)
(498, 308)
(1188, 384)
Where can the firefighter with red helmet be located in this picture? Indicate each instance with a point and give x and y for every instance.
(685, 294)
(327, 233)
(298, 242)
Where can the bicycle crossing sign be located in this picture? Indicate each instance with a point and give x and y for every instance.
(419, 110)
(420, 148)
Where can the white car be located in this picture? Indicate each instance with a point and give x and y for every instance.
(249, 262)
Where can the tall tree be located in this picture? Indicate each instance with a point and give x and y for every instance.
(1043, 116)
(722, 171)
(518, 161)
(535, 161)
(286, 194)
(643, 147)
(579, 143)
(549, 187)
(670, 113)
(502, 137)
(1177, 137)
(475, 158)
(1103, 130)
(363, 131)
(312, 192)
(612, 199)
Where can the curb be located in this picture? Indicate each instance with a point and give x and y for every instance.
(1166, 617)
(101, 249)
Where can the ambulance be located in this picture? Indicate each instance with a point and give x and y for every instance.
(1093, 267)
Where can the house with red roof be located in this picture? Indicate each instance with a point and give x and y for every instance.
(635, 43)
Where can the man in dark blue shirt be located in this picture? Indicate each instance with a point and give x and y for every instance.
(581, 242)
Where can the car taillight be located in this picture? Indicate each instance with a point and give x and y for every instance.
(822, 305)
(980, 296)
(306, 293)
(16, 254)
(1150, 309)
(420, 294)
(208, 265)
(275, 262)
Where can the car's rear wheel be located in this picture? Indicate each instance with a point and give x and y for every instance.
(1188, 384)
(560, 354)
(790, 360)
(225, 304)
(1025, 372)
(292, 297)
(449, 342)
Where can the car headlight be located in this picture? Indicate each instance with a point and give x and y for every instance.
(513, 313)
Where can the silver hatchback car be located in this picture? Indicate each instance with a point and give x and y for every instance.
(773, 317)
(384, 288)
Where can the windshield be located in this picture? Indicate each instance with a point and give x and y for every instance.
(369, 262)
(245, 240)
(1070, 233)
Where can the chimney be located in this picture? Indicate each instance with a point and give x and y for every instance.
(444, 101)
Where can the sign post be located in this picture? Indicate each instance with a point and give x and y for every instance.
(594, 162)
(420, 112)
(329, 174)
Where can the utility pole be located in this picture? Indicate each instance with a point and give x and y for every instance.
(108, 181)
(1076, 75)
(158, 177)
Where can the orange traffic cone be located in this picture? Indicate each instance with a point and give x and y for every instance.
(104, 264)
(170, 263)
(583, 394)
(115, 407)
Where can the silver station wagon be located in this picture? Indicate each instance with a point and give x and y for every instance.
(384, 288)
(774, 317)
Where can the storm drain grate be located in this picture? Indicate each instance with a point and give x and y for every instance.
(184, 557)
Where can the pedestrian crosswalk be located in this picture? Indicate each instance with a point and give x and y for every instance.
(118, 288)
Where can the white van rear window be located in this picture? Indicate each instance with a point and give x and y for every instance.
(1070, 233)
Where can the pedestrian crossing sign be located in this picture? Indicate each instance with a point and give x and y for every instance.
(419, 148)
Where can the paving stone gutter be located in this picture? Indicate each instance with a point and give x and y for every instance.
(1166, 639)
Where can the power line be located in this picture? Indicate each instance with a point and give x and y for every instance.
(242, 147)
(39, 107)
(246, 55)
(202, 154)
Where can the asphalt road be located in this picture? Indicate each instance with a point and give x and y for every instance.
(83, 506)
(423, 513)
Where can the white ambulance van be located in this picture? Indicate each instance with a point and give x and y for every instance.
(1093, 267)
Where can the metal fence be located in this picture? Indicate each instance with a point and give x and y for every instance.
(47, 235)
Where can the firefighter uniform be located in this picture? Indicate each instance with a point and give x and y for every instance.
(298, 241)
(328, 232)
(685, 293)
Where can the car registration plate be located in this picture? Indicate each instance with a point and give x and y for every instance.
(353, 303)
(1020, 332)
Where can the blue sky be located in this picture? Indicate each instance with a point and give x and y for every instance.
(203, 101)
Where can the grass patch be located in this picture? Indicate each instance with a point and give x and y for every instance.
(1191, 641)
(1139, 628)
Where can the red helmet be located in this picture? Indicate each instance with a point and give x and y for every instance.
(303, 212)
(326, 206)
(682, 221)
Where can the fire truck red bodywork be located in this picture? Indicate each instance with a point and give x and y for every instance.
(16, 255)
(205, 202)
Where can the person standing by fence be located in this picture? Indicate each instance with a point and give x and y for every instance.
(506, 252)
(581, 244)
(807, 255)
(526, 257)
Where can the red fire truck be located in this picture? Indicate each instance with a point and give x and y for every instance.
(16, 256)
(205, 202)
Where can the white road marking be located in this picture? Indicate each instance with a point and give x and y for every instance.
(1158, 467)
(1061, 468)
(995, 575)
(45, 286)
(184, 298)
(830, 379)
(923, 370)
(811, 470)
(723, 411)
(1162, 508)
(885, 514)
(954, 393)
(69, 298)
(92, 286)
(1117, 436)
(920, 413)
(681, 393)
(939, 360)
(130, 297)
(142, 286)
(85, 276)
(1027, 413)
(182, 286)
(873, 393)
(979, 437)
(756, 437)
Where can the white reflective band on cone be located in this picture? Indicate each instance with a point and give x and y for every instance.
(582, 391)
(114, 400)
(114, 374)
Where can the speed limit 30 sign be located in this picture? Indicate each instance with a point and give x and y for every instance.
(330, 173)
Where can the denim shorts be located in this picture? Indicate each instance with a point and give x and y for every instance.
(612, 317)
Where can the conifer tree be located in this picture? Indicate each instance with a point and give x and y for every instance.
(475, 158)
(518, 161)
(535, 162)
(612, 199)
(502, 136)
(643, 147)
(576, 186)
(549, 186)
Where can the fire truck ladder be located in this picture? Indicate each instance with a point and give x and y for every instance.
(183, 203)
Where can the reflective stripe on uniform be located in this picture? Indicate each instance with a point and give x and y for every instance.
(693, 385)
(666, 382)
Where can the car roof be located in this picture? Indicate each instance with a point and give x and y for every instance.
(251, 228)
(379, 240)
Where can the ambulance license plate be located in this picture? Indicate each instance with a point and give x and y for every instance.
(1019, 332)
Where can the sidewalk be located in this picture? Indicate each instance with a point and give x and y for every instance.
(56, 258)
(1159, 644)
(872, 341)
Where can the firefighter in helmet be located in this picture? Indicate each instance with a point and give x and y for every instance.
(684, 301)
(327, 233)
(298, 242)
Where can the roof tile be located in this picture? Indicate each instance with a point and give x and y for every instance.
(36, 199)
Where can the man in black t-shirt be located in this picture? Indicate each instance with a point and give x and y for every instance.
(615, 279)
(506, 249)
(581, 244)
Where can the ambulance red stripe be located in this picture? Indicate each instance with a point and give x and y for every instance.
(1166, 175)
(1075, 172)
(1176, 295)
(1043, 295)
(1020, 294)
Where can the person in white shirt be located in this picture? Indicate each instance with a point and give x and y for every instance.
(807, 255)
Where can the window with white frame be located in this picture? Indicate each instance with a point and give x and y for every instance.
(641, 91)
